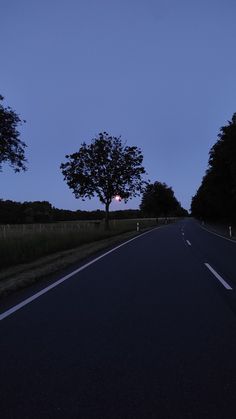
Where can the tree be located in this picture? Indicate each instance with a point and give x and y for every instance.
(216, 196)
(11, 147)
(105, 168)
(159, 200)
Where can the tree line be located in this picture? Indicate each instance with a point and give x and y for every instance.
(159, 200)
(215, 199)
(12, 212)
(106, 168)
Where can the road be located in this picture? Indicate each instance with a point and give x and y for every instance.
(147, 331)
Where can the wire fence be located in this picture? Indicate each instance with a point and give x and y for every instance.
(24, 243)
(16, 230)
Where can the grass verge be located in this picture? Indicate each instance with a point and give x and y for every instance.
(23, 275)
(24, 246)
(221, 229)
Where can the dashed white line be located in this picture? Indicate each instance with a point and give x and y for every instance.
(223, 282)
(188, 242)
(55, 284)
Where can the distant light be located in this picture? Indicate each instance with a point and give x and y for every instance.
(117, 198)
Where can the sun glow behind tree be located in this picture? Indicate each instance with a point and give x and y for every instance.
(106, 168)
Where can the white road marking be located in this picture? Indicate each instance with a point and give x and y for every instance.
(188, 242)
(64, 278)
(223, 282)
(216, 234)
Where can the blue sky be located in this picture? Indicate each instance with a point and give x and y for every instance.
(162, 74)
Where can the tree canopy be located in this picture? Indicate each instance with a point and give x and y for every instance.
(12, 149)
(105, 168)
(159, 201)
(216, 196)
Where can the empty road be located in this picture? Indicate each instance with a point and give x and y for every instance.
(147, 331)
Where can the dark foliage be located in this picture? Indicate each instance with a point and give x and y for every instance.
(105, 168)
(27, 212)
(43, 212)
(216, 196)
(159, 201)
(12, 149)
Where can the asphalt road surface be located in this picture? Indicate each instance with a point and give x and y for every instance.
(147, 331)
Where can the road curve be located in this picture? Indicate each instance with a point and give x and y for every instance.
(148, 331)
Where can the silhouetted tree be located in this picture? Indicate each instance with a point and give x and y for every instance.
(216, 196)
(159, 200)
(105, 168)
(11, 147)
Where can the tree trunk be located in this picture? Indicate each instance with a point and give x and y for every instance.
(107, 225)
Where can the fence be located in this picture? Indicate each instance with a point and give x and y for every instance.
(16, 230)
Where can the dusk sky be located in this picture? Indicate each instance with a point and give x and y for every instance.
(160, 73)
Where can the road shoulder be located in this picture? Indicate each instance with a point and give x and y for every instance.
(25, 275)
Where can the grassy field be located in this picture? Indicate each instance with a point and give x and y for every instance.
(28, 242)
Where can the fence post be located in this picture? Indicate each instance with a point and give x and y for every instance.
(137, 226)
(230, 231)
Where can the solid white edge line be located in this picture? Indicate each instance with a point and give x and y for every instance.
(218, 235)
(188, 242)
(223, 282)
(64, 278)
